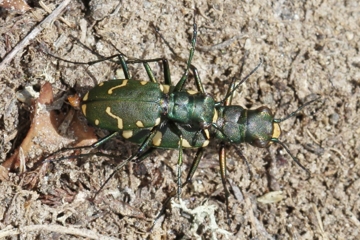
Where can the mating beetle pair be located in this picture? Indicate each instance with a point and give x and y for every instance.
(158, 115)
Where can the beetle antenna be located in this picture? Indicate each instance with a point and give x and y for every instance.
(85, 63)
(279, 120)
(242, 81)
(292, 156)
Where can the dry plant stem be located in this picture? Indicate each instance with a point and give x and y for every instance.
(33, 34)
(338, 152)
(48, 10)
(321, 226)
(221, 45)
(312, 137)
(54, 228)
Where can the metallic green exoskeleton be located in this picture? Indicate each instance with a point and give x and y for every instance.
(158, 115)
(129, 105)
(164, 116)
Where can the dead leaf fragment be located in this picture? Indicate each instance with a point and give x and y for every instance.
(4, 174)
(15, 5)
(272, 197)
(44, 136)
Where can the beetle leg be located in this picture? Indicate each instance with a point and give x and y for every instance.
(194, 165)
(145, 154)
(177, 131)
(193, 168)
(222, 163)
(198, 82)
(165, 62)
(167, 74)
(180, 85)
(124, 66)
(138, 154)
(179, 165)
(92, 146)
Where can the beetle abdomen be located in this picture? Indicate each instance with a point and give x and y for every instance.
(118, 105)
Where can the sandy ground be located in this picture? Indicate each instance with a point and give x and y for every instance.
(309, 49)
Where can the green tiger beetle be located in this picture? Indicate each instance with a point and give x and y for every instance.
(156, 115)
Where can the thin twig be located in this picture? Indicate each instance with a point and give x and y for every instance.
(221, 45)
(33, 34)
(48, 10)
(338, 152)
(320, 223)
(312, 137)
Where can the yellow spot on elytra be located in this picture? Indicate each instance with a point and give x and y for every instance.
(215, 117)
(119, 120)
(207, 133)
(127, 134)
(191, 92)
(85, 98)
(206, 142)
(83, 108)
(277, 130)
(185, 143)
(157, 139)
(144, 82)
(123, 84)
(139, 124)
(97, 122)
(165, 88)
(157, 121)
(100, 84)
